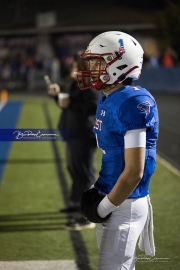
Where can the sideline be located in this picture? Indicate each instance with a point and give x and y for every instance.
(39, 265)
(168, 165)
(81, 252)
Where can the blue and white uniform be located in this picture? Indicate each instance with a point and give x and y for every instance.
(129, 108)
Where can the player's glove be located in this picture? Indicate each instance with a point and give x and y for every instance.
(89, 203)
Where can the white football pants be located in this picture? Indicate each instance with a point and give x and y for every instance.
(117, 237)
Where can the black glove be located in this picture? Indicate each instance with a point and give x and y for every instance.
(89, 203)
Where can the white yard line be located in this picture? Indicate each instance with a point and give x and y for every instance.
(39, 265)
(168, 165)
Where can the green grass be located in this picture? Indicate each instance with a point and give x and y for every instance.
(164, 192)
(30, 196)
(31, 227)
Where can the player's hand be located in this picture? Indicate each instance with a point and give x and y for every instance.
(89, 203)
(53, 89)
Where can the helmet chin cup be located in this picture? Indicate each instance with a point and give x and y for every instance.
(123, 56)
(97, 86)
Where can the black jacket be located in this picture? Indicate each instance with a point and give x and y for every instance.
(77, 120)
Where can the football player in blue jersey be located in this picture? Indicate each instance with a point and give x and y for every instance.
(127, 131)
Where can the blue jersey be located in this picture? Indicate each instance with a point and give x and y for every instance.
(128, 108)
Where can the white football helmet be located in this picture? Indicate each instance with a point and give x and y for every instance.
(123, 56)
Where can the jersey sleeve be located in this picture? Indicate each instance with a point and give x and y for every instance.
(136, 113)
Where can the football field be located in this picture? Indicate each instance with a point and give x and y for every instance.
(34, 185)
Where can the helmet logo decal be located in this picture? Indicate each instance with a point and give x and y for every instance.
(121, 49)
(144, 106)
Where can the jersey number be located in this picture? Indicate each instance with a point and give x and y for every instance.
(98, 124)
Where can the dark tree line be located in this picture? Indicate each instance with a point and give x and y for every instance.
(167, 21)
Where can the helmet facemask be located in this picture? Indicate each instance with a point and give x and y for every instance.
(96, 75)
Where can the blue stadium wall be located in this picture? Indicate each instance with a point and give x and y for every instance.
(160, 79)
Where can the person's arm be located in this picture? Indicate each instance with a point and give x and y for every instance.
(130, 177)
(134, 156)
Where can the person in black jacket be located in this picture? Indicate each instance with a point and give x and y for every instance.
(76, 128)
